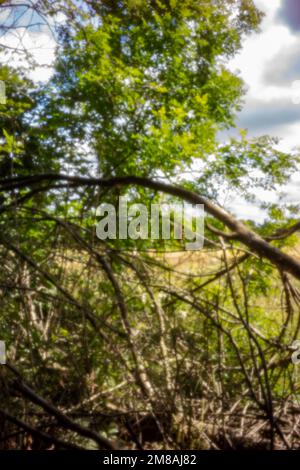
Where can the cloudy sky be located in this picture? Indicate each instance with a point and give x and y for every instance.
(269, 63)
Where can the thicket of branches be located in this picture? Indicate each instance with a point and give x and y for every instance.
(111, 344)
